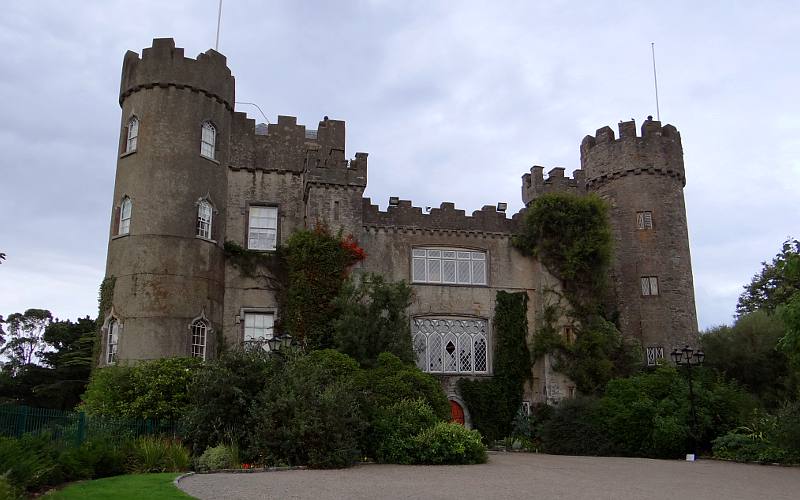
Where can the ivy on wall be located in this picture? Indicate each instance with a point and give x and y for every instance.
(494, 403)
(105, 299)
(307, 272)
(571, 236)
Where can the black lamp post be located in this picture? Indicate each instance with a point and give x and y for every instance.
(689, 357)
(281, 345)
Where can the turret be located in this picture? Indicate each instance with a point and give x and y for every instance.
(642, 177)
(170, 196)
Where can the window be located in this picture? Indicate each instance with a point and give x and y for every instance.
(125, 216)
(450, 345)
(112, 341)
(199, 334)
(649, 285)
(655, 355)
(262, 228)
(208, 140)
(451, 266)
(133, 135)
(204, 215)
(258, 328)
(644, 220)
(569, 334)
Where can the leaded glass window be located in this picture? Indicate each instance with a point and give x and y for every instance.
(644, 220)
(649, 285)
(199, 334)
(451, 345)
(263, 228)
(204, 215)
(448, 266)
(208, 140)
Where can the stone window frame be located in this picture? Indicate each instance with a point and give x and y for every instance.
(646, 286)
(120, 221)
(208, 145)
(242, 320)
(654, 355)
(112, 325)
(199, 347)
(212, 212)
(644, 220)
(425, 365)
(258, 205)
(131, 135)
(441, 259)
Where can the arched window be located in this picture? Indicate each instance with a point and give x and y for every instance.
(204, 215)
(208, 140)
(199, 334)
(125, 216)
(451, 344)
(112, 341)
(133, 135)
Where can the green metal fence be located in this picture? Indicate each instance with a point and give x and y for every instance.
(74, 427)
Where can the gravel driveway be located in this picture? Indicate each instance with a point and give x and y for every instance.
(513, 475)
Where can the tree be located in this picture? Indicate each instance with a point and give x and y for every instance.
(777, 282)
(70, 362)
(373, 320)
(747, 353)
(27, 336)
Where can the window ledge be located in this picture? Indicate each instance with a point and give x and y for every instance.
(212, 160)
(197, 237)
(127, 153)
(118, 236)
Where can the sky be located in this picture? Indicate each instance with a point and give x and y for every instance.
(453, 101)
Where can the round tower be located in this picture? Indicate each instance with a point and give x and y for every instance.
(168, 224)
(642, 179)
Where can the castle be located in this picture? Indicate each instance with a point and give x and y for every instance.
(193, 173)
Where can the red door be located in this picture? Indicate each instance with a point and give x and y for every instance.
(456, 413)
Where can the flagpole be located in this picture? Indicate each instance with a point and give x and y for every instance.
(655, 77)
(219, 18)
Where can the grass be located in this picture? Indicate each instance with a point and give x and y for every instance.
(127, 487)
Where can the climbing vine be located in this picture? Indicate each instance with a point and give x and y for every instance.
(307, 272)
(494, 403)
(105, 299)
(571, 236)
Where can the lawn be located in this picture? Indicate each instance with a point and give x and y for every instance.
(127, 487)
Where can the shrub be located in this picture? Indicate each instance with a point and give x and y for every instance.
(392, 380)
(742, 448)
(152, 454)
(576, 428)
(216, 458)
(373, 319)
(25, 462)
(448, 443)
(313, 416)
(7, 490)
(155, 389)
(220, 397)
(395, 427)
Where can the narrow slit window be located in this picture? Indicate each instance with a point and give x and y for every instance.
(649, 285)
(112, 342)
(199, 335)
(644, 220)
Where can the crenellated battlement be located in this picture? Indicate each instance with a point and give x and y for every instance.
(445, 218)
(287, 146)
(164, 65)
(656, 151)
(534, 184)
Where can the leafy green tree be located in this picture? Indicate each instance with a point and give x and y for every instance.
(26, 333)
(747, 353)
(373, 319)
(777, 282)
(790, 342)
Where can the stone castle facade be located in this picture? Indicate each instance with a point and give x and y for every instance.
(194, 173)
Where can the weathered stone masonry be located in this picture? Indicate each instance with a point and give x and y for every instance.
(168, 277)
